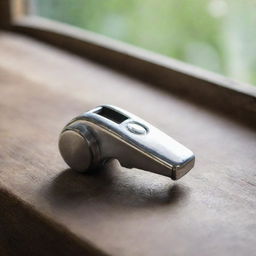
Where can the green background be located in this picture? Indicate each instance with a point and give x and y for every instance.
(218, 35)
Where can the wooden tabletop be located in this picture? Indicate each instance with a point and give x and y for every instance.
(48, 209)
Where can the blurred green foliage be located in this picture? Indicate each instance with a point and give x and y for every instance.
(218, 35)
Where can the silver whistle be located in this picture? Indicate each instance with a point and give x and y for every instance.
(108, 132)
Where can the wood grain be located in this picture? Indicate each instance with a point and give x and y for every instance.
(47, 209)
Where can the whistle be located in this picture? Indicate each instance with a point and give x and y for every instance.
(108, 132)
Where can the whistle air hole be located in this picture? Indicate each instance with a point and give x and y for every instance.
(112, 115)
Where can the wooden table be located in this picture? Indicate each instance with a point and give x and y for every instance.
(47, 209)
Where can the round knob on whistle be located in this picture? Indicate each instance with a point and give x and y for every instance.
(77, 147)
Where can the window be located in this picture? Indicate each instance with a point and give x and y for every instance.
(217, 35)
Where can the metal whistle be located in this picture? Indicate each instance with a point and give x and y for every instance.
(108, 132)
